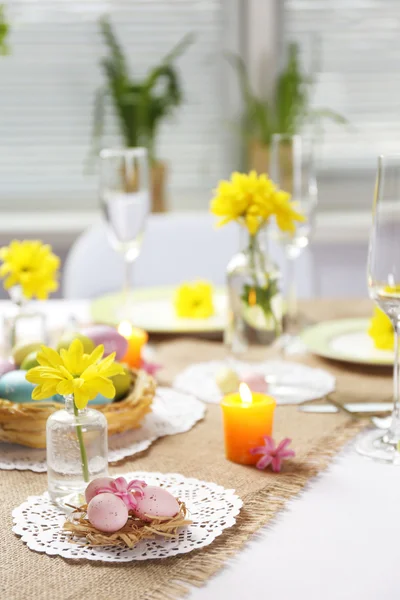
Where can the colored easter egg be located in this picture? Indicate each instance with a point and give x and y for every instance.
(122, 384)
(6, 365)
(156, 502)
(69, 336)
(100, 399)
(29, 361)
(107, 512)
(227, 380)
(95, 485)
(256, 382)
(14, 387)
(21, 351)
(109, 337)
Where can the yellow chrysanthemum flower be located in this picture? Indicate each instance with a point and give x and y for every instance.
(381, 330)
(251, 200)
(194, 300)
(74, 372)
(32, 265)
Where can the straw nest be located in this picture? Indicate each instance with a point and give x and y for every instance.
(79, 528)
(25, 424)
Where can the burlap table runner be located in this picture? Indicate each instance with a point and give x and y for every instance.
(199, 453)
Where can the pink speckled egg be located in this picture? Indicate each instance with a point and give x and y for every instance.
(256, 382)
(6, 365)
(156, 502)
(96, 485)
(109, 337)
(107, 512)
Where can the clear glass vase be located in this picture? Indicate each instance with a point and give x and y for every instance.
(77, 448)
(255, 299)
(23, 323)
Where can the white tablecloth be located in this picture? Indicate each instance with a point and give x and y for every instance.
(339, 540)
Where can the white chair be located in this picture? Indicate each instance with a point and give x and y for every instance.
(177, 247)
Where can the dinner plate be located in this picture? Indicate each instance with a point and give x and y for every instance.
(346, 340)
(152, 309)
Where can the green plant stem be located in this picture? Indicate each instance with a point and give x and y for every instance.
(84, 460)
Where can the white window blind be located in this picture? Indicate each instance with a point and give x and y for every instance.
(48, 83)
(358, 73)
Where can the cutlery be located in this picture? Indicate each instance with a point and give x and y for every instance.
(354, 408)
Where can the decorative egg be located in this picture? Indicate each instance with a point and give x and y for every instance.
(95, 485)
(227, 380)
(107, 512)
(256, 382)
(156, 502)
(109, 337)
(30, 361)
(14, 387)
(6, 365)
(122, 383)
(100, 399)
(69, 336)
(21, 351)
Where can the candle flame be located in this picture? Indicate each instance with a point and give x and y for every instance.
(125, 329)
(245, 393)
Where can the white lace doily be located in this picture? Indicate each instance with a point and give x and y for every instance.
(289, 383)
(211, 507)
(172, 412)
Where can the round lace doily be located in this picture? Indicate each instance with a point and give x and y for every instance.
(289, 383)
(172, 412)
(211, 507)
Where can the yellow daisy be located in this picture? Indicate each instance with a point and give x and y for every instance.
(194, 300)
(381, 330)
(74, 372)
(32, 265)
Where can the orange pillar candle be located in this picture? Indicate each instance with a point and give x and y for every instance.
(247, 418)
(136, 339)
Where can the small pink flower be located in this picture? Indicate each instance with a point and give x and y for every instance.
(150, 367)
(128, 492)
(271, 454)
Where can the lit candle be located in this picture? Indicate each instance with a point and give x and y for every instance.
(247, 419)
(136, 338)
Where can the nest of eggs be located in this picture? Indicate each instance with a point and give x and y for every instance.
(25, 424)
(78, 527)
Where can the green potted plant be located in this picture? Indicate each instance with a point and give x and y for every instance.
(140, 105)
(286, 112)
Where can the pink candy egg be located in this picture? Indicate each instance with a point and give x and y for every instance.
(156, 502)
(96, 485)
(256, 382)
(107, 512)
(109, 337)
(6, 365)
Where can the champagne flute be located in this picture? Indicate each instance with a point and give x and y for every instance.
(292, 169)
(384, 289)
(125, 202)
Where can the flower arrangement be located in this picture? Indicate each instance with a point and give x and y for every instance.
(194, 300)
(32, 266)
(71, 372)
(252, 201)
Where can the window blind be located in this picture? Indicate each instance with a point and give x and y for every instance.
(357, 59)
(49, 80)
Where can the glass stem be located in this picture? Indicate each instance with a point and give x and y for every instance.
(127, 281)
(291, 290)
(394, 431)
(84, 460)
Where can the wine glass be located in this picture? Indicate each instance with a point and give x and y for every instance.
(384, 289)
(125, 202)
(292, 169)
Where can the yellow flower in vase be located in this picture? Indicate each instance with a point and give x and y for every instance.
(194, 300)
(31, 265)
(72, 372)
(381, 330)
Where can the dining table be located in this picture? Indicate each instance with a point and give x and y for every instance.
(335, 539)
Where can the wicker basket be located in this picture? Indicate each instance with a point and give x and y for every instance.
(26, 423)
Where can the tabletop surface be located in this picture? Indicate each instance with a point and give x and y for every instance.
(338, 539)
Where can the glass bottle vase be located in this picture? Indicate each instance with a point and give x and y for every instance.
(22, 323)
(77, 448)
(255, 300)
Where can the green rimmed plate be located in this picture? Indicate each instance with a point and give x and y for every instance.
(152, 309)
(346, 340)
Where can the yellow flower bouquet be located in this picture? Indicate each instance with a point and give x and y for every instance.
(253, 201)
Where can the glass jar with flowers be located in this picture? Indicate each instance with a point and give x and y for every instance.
(76, 436)
(30, 270)
(255, 301)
